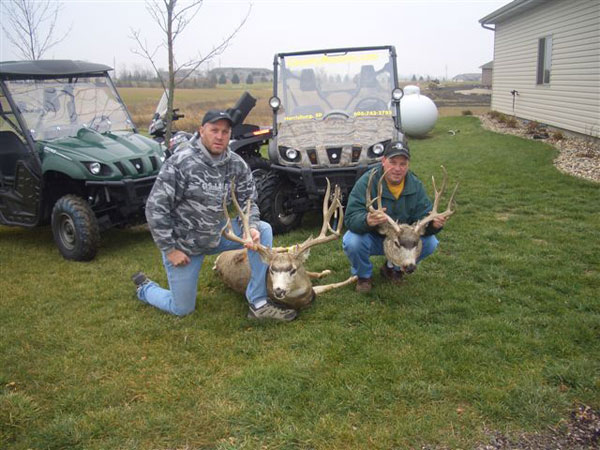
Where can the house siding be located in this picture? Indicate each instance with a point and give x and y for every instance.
(486, 77)
(571, 100)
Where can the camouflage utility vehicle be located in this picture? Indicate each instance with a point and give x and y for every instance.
(70, 154)
(333, 112)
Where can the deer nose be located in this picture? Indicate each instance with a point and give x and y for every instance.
(279, 293)
(410, 268)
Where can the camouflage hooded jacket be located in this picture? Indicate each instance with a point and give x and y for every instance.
(185, 207)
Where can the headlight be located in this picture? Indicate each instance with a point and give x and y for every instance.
(274, 103)
(291, 153)
(95, 168)
(162, 158)
(397, 94)
(378, 149)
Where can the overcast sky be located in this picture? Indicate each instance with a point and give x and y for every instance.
(438, 38)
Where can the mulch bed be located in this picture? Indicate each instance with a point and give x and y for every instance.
(578, 156)
(581, 431)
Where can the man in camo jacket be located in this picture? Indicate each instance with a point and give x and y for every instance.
(185, 215)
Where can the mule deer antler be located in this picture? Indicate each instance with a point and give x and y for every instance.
(329, 209)
(369, 202)
(244, 216)
(421, 224)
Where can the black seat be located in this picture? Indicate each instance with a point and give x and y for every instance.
(12, 149)
(368, 77)
(308, 82)
(311, 97)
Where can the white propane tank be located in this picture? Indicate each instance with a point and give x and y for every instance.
(410, 89)
(418, 112)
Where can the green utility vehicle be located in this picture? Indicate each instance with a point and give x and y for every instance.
(70, 154)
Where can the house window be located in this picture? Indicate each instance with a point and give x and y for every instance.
(544, 60)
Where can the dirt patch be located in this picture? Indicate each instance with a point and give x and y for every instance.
(464, 96)
(578, 156)
(580, 431)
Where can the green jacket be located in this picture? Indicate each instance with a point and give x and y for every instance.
(412, 205)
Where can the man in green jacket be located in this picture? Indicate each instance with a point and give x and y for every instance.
(404, 199)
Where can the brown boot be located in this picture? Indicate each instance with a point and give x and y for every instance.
(395, 276)
(364, 285)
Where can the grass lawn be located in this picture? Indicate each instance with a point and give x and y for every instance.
(498, 330)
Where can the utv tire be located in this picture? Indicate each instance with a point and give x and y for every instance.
(273, 192)
(75, 228)
(255, 162)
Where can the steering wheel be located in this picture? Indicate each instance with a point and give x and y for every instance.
(371, 104)
(97, 122)
(336, 112)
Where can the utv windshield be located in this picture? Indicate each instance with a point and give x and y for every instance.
(349, 84)
(58, 108)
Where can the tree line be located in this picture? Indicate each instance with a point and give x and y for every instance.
(138, 77)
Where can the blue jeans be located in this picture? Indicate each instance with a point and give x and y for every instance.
(359, 247)
(183, 280)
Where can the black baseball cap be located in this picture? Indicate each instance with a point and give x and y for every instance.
(396, 148)
(213, 115)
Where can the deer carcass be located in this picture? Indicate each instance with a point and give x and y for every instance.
(402, 243)
(288, 282)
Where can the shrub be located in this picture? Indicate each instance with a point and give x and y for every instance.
(558, 136)
(495, 114)
(511, 122)
(532, 127)
(467, 112)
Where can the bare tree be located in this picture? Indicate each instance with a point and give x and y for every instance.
(30, 25)
(173, 20)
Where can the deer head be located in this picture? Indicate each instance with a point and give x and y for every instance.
(402, 243)
(288, 282)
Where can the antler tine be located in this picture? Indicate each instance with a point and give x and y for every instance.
(228, 229)
(436, 201)
(369, 202)
(437, 195)
(329, 208)
(245, 217)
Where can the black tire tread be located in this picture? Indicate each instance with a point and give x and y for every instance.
(268, 184)
(88, 231)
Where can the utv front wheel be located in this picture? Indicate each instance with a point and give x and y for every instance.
(75, 228)
(274, 197)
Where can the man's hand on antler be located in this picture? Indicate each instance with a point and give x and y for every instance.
(376, 217)
(439, 221)
(255, 235)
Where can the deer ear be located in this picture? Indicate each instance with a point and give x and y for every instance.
(304, 256)
(387, 229)
(265, 254)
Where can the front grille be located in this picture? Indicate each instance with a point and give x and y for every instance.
(137, 164)
(334, 154)
(312, 156)
(154, 162)
(121, 168)
(356, 153)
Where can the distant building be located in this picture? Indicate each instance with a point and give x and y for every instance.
(467, 77)
(258, 75)
(547, 62)
(486, 73)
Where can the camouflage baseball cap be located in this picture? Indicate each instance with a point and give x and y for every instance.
(214, 115)
(396, 148)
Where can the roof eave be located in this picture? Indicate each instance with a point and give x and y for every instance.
(507, 11)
